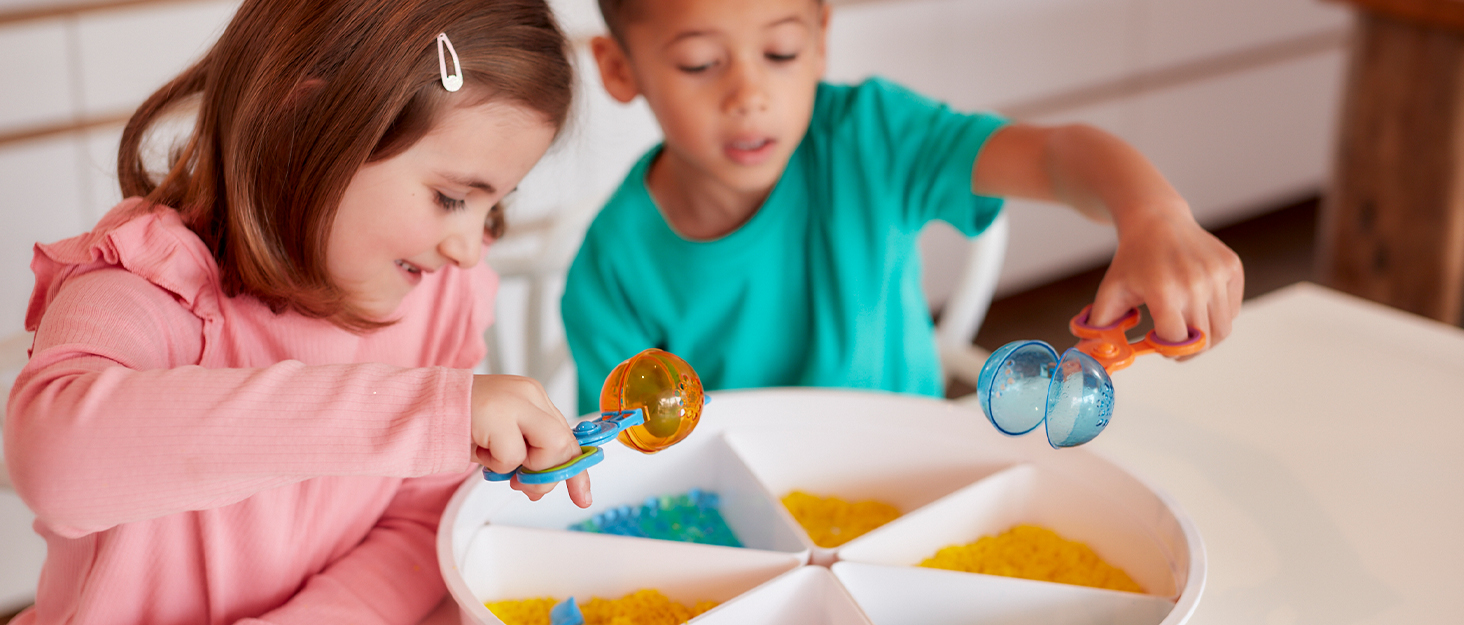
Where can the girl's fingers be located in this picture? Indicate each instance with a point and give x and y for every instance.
(503, 445)
(548, 442)
(534, 492)
(579, 489)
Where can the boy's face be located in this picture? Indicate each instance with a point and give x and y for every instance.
(731, 82)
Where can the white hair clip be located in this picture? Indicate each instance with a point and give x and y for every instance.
(450, 82)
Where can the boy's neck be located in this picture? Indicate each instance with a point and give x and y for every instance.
(697, 206)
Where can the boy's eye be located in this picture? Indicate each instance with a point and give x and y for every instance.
(781, 58)
(696, 69)
(452, 204)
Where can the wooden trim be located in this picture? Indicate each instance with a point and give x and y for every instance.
(43, 12)
(1441, 14)
(1176, 75)
(47, 131)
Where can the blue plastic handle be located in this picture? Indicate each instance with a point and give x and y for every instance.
(590, 434)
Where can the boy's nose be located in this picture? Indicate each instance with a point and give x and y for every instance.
(749, 90)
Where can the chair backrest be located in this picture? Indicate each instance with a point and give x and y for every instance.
(538, 256)
(961, 317)
(542, 263)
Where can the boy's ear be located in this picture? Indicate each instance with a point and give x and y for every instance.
(615, 71)
(824, 14)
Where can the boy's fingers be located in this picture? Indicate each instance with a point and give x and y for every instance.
(1110, 304)
(1170, 323)
(1220, 321)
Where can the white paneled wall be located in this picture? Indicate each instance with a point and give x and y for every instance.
(1179, 31)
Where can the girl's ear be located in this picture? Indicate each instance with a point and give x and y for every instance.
(615, 70)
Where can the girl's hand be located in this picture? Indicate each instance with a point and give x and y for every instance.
(1185, 275)
(515, 424)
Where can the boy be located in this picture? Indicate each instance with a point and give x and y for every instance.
(770, 240)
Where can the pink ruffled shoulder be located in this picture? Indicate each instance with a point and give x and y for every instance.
(151, 242)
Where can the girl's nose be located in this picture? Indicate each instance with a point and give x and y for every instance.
(463, 248)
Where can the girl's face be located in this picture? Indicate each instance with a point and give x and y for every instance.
(426, 208)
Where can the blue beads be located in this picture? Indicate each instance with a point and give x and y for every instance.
(693, 517)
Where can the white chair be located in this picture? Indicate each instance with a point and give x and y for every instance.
(961, 317)
(538, 254)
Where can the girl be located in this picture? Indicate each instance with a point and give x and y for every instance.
(249, 395)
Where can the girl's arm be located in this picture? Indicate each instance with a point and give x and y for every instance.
(1165, 259)
(392, 577)
(109, 424)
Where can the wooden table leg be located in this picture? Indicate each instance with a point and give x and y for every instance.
(1392, 226)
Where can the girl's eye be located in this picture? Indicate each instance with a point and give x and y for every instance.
(452, 204)
(781, 58)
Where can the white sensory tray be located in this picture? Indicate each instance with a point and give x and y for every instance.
(953, 476)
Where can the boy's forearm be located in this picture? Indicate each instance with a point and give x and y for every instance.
(1098, 174)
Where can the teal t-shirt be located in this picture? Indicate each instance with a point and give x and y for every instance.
(821, 287)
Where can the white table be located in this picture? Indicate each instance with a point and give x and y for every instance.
(1318, 452)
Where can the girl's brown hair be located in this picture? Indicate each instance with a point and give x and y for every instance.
(297, 95)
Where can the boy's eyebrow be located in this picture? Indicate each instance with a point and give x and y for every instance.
(469, 181)
(795, 19)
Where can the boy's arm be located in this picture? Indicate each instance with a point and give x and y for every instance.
(1165, 259)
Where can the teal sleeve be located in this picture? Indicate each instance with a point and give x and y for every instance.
(931, 151)
(600, 324)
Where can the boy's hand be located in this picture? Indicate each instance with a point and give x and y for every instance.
(515, 424)
(1185, 275)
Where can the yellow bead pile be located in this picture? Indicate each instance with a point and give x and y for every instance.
(642, 607)
(831, 521)
(1032, 552)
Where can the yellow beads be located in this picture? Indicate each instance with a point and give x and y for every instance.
(642, 607)
(831, 521)
(1032, 552)
(525, 612)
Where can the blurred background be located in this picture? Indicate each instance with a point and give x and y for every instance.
(1236, 101)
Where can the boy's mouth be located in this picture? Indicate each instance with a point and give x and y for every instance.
(749, 151)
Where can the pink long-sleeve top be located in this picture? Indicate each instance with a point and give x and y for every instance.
(196, 458)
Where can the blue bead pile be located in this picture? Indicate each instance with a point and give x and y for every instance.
(692, 517)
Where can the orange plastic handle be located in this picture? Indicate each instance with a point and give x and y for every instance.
(1109, 344)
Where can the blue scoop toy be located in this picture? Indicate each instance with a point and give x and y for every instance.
(1025, 384)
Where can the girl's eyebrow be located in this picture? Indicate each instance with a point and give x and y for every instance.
(469, 181)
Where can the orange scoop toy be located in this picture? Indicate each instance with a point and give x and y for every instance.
(1109, 345)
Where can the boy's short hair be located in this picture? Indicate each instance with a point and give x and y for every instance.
(617, 13)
